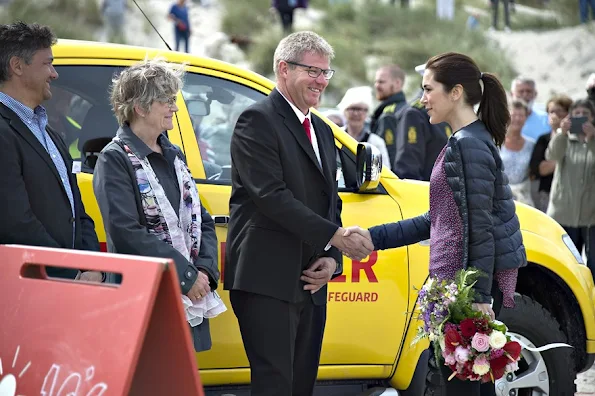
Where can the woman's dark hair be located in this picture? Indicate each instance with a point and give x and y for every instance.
(451, 69)
(584, 103)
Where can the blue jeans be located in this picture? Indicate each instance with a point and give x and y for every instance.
(584, 9)
(182, 35)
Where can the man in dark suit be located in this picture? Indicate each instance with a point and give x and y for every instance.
(40, 203)
(285, 236)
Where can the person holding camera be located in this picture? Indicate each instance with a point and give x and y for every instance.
(573, 187)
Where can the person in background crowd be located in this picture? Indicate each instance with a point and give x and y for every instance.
(541, 169)
(389, 91)
(584, 10)
(114, 12)
(40, 204)
(478, 228)
(336, 117)
(523, 88)
(286, 9)
(496, 11)
(178, 14)
(146, 194)
(573, 187)
(516, 153)
(419, 142)
(355, 110)
(591, 88)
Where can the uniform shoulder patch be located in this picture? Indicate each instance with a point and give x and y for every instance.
(389, 137)
(412, 135)
(390, 108)
(448, 131)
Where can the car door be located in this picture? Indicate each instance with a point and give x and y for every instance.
(366, 304)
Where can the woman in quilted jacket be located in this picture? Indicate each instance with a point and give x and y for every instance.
(472, 220)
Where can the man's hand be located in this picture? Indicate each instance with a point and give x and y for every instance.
(200, 288)
(90, 276)
(565, 125)
(354, 242)
(319, 273)
(589, 130)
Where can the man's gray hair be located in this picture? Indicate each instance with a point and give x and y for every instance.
(142, 84)
(522, 80)
(296, 45)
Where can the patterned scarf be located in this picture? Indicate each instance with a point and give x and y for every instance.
(182, 232)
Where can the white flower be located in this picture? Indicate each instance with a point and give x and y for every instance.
(442, 343)
(432, 337)
(511, 367)
(497, 339)
(481, 367)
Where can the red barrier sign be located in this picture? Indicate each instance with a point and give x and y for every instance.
(65, 338)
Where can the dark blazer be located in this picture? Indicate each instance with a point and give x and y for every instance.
(492, 239)
(34, 207)
(284, 209)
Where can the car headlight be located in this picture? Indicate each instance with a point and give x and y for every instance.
(570, 245)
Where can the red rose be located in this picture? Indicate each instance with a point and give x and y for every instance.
(468, 328)
(452, 338)
(513, 348)
(498, 366)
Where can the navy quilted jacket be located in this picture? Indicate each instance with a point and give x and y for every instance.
(492, 236)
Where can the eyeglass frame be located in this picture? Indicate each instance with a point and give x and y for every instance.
(170, 102)
(314, 69)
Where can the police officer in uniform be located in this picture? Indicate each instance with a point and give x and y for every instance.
(388, 86)
(417, 141)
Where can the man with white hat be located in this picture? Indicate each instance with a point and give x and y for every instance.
(418, 141)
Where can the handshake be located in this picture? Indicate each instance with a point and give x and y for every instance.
(354, 242)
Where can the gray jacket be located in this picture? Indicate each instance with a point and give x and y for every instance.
(492, 239)
(572, 198)
(119, 200)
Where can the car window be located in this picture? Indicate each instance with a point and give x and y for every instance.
(79, 110)
(214, 105)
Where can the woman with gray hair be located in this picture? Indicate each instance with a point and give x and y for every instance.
(147, 196)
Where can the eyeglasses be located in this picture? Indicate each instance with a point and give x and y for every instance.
(357, 109)
(314, 71)
(171, 101)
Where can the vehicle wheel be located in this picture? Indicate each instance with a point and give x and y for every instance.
(540, 373)
(434, 381)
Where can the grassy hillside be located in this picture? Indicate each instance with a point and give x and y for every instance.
(366, 37)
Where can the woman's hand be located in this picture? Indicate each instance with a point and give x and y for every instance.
(589, 130)
(565, 124)
(485, 308)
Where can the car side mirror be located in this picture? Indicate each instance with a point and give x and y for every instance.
(198, 107)
(368, 167)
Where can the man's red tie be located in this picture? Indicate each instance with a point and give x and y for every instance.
(306, 125)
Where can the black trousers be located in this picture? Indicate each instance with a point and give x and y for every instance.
(282, 341)
(457, 387)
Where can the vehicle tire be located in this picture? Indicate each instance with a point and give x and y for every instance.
(434, 381)
(535, 325)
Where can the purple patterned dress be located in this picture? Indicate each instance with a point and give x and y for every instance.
(446, 234)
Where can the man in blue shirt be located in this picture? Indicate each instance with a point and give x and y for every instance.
(523, 88)
(40, 203)
(178, 13)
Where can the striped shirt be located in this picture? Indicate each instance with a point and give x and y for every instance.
(36, 120)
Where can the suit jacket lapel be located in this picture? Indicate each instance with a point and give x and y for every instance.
(293, 124)
(326, 152)
(17, 124)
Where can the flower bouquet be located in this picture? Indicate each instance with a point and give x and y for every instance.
(475, 347)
